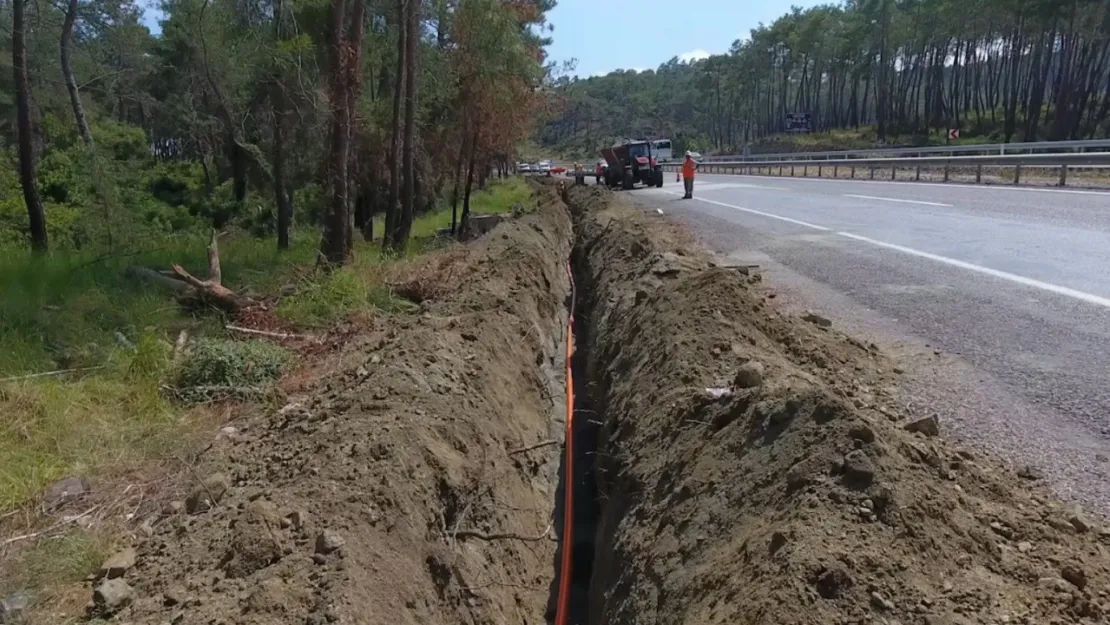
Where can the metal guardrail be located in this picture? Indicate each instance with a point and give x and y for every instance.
(1016, 161)
(1000, 149)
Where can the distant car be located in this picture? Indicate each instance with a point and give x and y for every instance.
(523, 168)
(559, 169)
(545, 167)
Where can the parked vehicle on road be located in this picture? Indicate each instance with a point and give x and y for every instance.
(630, 163)
(523, 168)
(545, 167)
(662, 150)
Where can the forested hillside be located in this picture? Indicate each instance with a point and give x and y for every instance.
(904, 70)
(256, 114)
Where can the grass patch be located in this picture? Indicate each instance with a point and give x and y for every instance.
(322, 298)
(49, 564)
(325, 297)
(498, 197)
(74, 310)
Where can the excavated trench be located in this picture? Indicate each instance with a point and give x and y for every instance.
(738, 465)
(731, 465)
(586, 424)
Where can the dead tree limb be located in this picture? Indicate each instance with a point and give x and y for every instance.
(190, 288)
(532, 447)
(272, 335)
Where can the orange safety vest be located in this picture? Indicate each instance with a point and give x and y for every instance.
(688, 168)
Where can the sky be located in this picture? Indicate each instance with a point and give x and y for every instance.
(604, 35)
(644, 34)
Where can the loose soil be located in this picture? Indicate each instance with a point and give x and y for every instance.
(753, 469)
(750, 467)
(393, 491)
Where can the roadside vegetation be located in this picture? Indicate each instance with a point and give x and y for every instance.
(106, 342)
(868, 72)
(120, 407)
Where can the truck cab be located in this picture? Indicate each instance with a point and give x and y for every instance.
(630, 163)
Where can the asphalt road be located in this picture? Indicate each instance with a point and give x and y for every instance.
(997, 298)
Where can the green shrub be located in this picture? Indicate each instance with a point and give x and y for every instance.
(222, 363)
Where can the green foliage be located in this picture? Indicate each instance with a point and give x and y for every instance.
(329, 296)
(866, 66)
(499, 197)
(73, 555)
(226, 363)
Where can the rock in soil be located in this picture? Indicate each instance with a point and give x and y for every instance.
(111, 595)
(1080, 522)
(749, 375)
(118, 565)
(207, 494)
(65, 491)
(1074, 575)
(817, 320)
(329, 541)
(1030, 472)
(12, 607)
(929, 426)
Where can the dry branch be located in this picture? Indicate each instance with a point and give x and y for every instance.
(273, 335)
(533, 447)
(210, 291)
(46, 374)
(546, 535)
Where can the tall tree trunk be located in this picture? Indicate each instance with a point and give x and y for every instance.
(1010, 125)
(392, 210)
(281, 115)
(353, 84)
(408, 207)
(334, 245)
(469, 182)
(67, 73)
(35, 212)
(455, 189)
(281, 190)
(371, 199)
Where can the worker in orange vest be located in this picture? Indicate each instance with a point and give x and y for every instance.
(689, 166)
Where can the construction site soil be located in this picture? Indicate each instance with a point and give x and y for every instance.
(749, 467)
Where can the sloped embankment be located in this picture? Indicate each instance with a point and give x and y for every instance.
(752, 468)
(400, 489)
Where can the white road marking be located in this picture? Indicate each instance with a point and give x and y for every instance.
(951, 185)
(763, 214)
(1004, 275)
(893, 199)
(1037, 284)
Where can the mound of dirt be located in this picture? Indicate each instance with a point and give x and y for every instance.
(394, 490)
(752, 467)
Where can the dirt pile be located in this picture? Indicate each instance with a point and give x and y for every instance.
(752, 467)
(395, 491)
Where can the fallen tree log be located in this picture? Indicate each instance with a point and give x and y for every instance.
(190, 289)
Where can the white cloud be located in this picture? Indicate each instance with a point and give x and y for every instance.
(693, 55)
